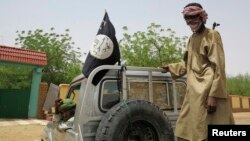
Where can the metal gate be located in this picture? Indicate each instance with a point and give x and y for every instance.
(14, 103)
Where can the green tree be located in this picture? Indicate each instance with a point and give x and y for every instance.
(63, 58)
(155, 47)
(15, 77)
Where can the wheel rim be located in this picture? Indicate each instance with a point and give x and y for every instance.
(139, 131)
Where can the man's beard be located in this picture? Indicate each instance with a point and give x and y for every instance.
(194, 25)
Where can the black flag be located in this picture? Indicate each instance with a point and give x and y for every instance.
(104, 50)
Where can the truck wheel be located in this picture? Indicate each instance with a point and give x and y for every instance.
(135, 120)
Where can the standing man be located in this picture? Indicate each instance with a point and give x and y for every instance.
(206, 100)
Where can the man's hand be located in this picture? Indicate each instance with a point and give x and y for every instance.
(166, 69)
(211, 104)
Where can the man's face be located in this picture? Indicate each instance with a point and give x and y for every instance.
(193, 21)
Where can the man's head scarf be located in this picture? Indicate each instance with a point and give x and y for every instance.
(191, 10)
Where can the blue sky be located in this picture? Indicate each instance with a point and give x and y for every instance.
(83, 18)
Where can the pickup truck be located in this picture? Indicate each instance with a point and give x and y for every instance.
(128, 104)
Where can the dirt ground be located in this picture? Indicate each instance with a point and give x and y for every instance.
(33, 132)
(21, 132)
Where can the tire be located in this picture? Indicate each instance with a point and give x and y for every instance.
(135, 120)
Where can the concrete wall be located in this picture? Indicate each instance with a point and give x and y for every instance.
(41, 99)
